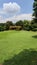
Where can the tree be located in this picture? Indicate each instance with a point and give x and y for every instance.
(35, 11)
(19, 23)
(8, 24)
(26, 22)
(1, 28)
(34, 21)
(26, 25)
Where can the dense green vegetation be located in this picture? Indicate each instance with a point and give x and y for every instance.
(13, 42)
(35, 11)
(34, 21)
(25, 25)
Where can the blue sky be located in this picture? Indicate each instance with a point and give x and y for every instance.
(25, 7)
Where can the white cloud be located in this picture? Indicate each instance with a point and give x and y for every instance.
(19, 17)
(10, 8)
(1, 19)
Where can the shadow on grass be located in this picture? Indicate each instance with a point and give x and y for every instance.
(26, 57)
(34, 36)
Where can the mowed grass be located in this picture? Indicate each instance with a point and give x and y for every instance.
(13, 42)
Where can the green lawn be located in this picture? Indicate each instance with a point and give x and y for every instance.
(13, 42)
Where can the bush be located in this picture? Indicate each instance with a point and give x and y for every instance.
(27, 27)
(19, 23)
(1, 28)
(34, 29)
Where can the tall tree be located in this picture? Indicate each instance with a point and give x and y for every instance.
(34, 21)
(35, 11)
(8, 24)
(19, 23)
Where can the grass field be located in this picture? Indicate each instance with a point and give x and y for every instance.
(13, 42)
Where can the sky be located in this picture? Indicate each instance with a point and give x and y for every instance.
(15, 10)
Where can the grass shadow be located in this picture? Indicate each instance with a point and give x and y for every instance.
(26, 57)
(34, 36)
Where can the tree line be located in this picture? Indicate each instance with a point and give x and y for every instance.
(19, 25)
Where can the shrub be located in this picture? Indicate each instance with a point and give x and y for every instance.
(34, 29)
(1, 28)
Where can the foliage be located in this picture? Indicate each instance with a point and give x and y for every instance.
(26, 25)
(19, 25)
(7, 25)
(34, 22)
(1, 28)
(34, 29)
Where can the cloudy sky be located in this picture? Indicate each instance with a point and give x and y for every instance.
(15, 10)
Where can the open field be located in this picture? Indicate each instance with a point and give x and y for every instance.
(13, 42)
